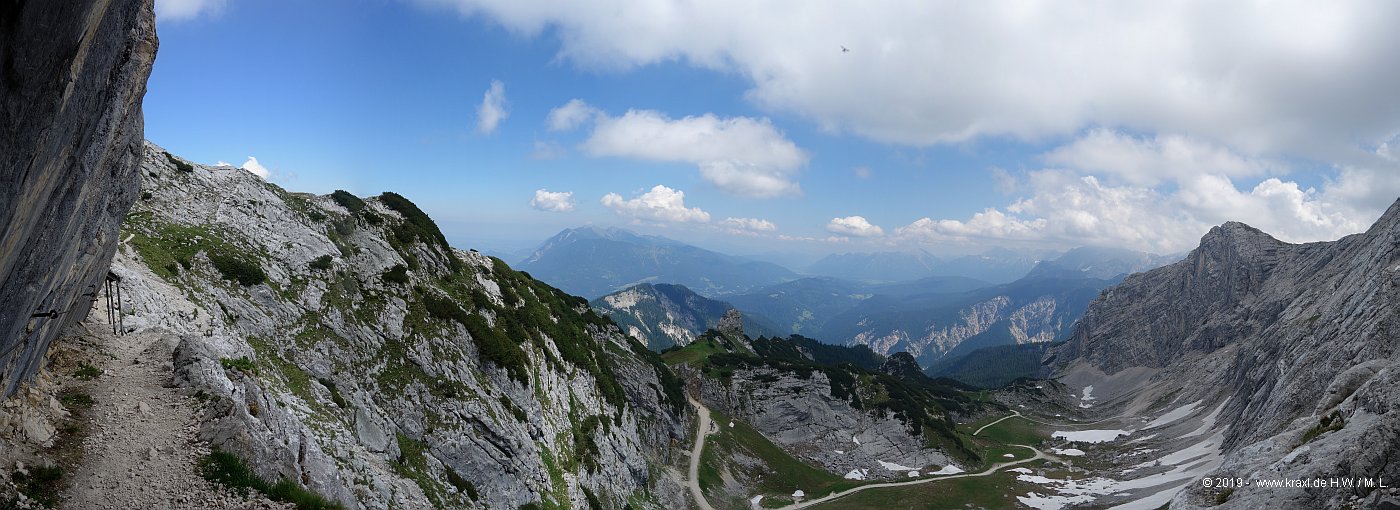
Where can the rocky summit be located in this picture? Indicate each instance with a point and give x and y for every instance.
(1292, 346)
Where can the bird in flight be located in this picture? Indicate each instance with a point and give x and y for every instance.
(845, 49)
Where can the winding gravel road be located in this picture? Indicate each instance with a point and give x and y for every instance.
(702, 429)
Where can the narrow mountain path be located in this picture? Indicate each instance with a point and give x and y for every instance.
(141, 449)
(995, 467)
(1014, 413)
(702, 429)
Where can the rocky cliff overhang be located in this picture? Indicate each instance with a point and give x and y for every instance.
(72, 77)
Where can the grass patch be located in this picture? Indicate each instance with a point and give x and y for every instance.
(238, 269)
(180, 164)
(998, 490)
(321, 263)
(780, 474)
(230, 471)
(348, 200)
(1327, 423)
(41, 484)
(72, 399)
(240, 363)
(87, 372)
(397, 274)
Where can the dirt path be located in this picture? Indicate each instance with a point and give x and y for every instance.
(141, 450)
(995, 467)
(702, 429)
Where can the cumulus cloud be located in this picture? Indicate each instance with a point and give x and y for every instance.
(747, 226)
(553, 201)
(570, 116)
(1292, 75)
(180, 10)
(854, 226)
(740, 155)
(255, 168)
(1154, 160)
(492, 109)
(661, 204)
(1071, 210)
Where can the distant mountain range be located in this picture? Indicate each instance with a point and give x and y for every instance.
(998, 265)
(663, 315)
(591, 262)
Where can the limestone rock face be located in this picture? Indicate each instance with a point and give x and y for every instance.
(1284, 336)
(801, 415)
(365, 359)
(74, 74)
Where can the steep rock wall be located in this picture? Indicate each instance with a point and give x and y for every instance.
(72, 77)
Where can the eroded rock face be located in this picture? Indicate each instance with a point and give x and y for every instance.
(370, 382)
(1283, 335)
(801, 415)
(72, 77)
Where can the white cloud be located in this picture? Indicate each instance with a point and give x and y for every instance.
(180, 10)
(493, 108)
(547, 150)
(223, 163)
(1288, 75)
(1152, 161)
(1071, 210)
(661, 204)
(252, 166)
(553, 201)
(741, 155)
(747, 226)
(854, 226)
(863, 172)
(570, 116)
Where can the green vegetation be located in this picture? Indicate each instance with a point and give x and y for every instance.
(180, 164)
(799, 348)
(168, 247)
(417, 226)
(75, 399)
(237, 269)
(397, 274)
(1224, 495)
(41, 484)
(348, 200)
(321, 263)
(1327, 423)
(777, 475)
(413, 464)
(239, 363)
(922, 404)
(994, 367)
(230, 471)
(86, 372)
(998, 490)
(335, 393)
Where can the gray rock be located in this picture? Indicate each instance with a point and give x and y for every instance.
(72, 140)
(1282, 335)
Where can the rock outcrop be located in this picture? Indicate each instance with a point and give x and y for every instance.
(72, 77)
(1295, 344)
(341, 344)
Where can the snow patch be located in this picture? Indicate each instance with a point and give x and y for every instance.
(1208, 422)
(1088, 398)
(894, 467)
(947, 470)
(1025, 471)
(857, 474)
(1009, 455)
(1143, 438)
(754, 501)
(1175, 414)
(1072, 452)
(798, 493)
(913, 474)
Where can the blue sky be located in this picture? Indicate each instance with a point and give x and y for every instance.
(947, 127)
